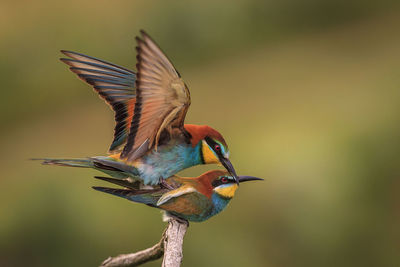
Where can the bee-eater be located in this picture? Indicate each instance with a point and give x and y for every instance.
(192, 199)
(151, 140)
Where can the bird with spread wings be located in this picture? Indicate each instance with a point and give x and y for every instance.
(151, 141)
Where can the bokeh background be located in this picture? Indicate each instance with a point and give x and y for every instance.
(306, 92)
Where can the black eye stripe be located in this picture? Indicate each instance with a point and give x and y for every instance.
(219, 181)
(212, 144)
(209, 141)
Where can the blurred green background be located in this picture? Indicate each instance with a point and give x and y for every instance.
(306, 93)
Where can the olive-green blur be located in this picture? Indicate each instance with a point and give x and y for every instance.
(306, 93)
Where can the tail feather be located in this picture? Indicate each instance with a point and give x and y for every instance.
(110, 164)
(127, 182)
(148, 197)
(82, 163)
(106, 166)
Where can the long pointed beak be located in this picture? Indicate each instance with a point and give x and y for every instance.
(229, 167)
(242, 179)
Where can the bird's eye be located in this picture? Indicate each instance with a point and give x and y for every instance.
(217, 148)
(224, 180)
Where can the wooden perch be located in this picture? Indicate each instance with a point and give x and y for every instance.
(170, 245)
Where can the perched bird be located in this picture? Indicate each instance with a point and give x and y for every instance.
(192, 199)
(151, 140)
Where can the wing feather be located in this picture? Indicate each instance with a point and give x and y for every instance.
(175, 193)
(184, 200)
(115, 84)
(162, 99)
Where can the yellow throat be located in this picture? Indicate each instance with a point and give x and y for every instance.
(226, 191)
(208, 155)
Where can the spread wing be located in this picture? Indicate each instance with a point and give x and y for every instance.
(162, 99)
(115, 84)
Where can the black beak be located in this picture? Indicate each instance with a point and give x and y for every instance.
(229, 167)
(242, 179)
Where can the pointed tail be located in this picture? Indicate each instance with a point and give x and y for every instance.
(110, 167)
(82, 163)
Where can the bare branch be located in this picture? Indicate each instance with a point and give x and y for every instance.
(135, 259)
(173, 243)
(170, 246)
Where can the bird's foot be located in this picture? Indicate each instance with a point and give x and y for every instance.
(168, 216)
(183, 221)
(165, 185)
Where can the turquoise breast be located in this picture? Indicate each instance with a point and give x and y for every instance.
(167, 161)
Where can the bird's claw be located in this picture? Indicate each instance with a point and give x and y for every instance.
(165, 185)
(169, 216)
